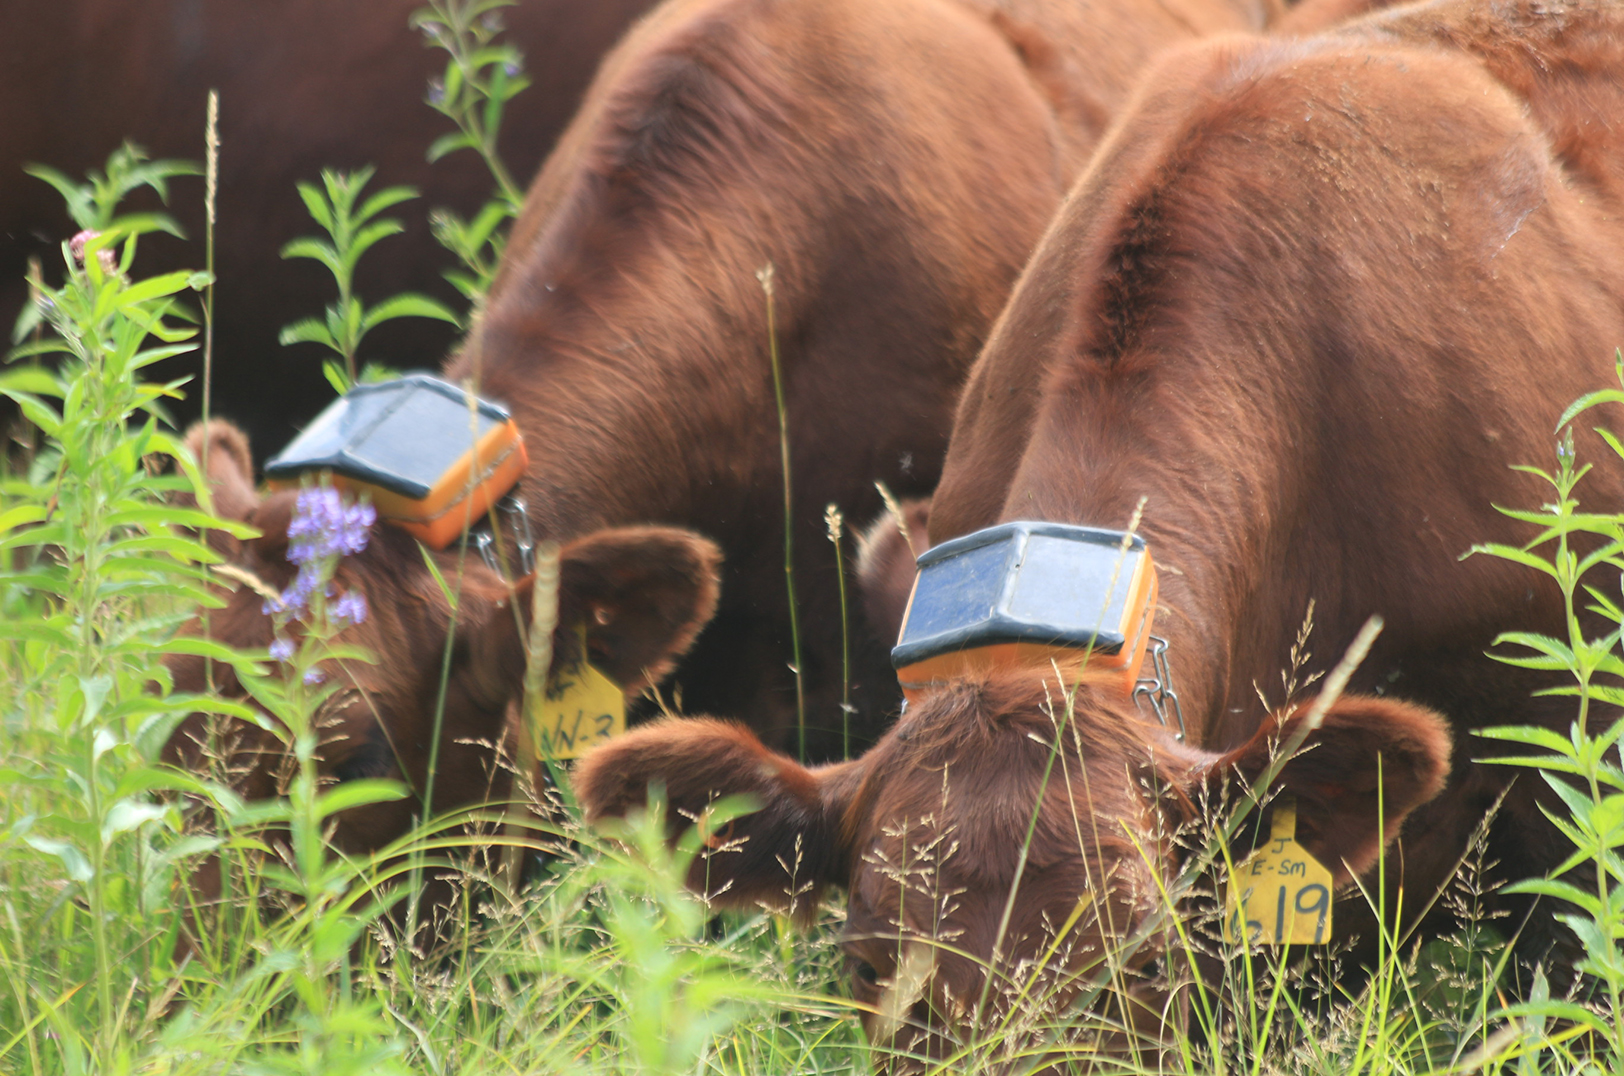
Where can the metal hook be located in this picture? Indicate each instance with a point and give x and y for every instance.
(511, 514)
(1157, 688)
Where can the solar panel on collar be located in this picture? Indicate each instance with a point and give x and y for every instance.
(429, 462)
(1027, 593)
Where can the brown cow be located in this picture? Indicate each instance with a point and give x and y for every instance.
(641, 593)
(1312, 300)
(304, 85)
(894, 163)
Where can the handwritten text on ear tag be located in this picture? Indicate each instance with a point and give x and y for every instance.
(1279, 895)
(581, 708)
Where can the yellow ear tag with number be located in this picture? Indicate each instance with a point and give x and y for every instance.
(1279, 895)
(580, 709)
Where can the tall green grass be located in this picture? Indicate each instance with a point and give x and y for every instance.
(603, 964)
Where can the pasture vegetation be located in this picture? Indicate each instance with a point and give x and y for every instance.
(599, 961)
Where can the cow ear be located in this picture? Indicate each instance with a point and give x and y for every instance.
(886, 569)
(228, 468)
(781, 854)
(221, 452)
(1357, 778)
(642, 594)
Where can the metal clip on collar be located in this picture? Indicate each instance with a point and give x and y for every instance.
(510, 514)
(1157, 688)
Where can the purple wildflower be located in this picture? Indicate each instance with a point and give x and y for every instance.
(351, 608)
(324, 526)
(323, 529)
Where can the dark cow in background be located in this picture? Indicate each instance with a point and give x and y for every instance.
(304, 85)
(1312, 301)
(894, 163)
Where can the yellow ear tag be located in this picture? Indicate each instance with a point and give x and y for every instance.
(1279, 895)
(581, 708)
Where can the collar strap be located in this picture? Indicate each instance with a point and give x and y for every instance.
(1028, 594)
(431, 456)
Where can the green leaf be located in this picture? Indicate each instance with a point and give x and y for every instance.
(407, 305)
(50, 345)
(366, 237)
(307, 331)
(336, 376)
(439, 579)
(32, 379)
(36, 411)
(1586, 402)
(381, 201)
(73, 860)
(1512, 553)
(1533, 735)
(358, 793)
(317, 206)
(487, 220)
(202, 648)
(145, 224)
(316, 250)
(129, 814)
(154, 287)
(21, 515)
(1542, 644)
(450, 143)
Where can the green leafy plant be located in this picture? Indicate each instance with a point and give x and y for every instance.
(1582, 766)
(93, 205)
(352, 229)
(104, 571)
(481, 76)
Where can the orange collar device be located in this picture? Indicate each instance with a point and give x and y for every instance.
(432, 458)
(1028, 594)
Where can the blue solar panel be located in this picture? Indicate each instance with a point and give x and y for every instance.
(1063, 582)
(1020, 582)
(964, 590)
(401, 435)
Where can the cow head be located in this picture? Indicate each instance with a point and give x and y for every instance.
(635, 596)
(988, 786)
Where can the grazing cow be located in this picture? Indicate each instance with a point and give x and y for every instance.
(304, 85)
(894, 163)
(1312, 301)
(641, 593)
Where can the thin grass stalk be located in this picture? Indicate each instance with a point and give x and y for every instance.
(211, 186)
(836, 522)
(434, 733)
(765, 275)
(538, 663)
